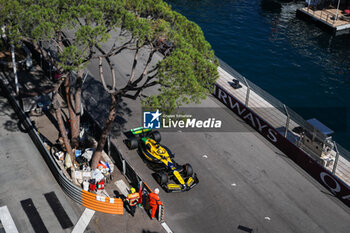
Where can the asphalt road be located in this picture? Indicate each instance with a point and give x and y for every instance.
(28, 188)
(246, 185)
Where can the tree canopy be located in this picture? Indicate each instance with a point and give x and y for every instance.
(185, 73)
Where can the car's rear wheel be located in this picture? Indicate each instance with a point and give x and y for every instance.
(155, 135)
(132, 143)
(188, 170)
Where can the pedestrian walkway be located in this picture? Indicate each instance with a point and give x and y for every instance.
(6, 222)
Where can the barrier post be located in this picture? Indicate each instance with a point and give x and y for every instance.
(124, 167)
(108, 145)
(336, 159)
(287, 121)
(15, 69)
(248, 91)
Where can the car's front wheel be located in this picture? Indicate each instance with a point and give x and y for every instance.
(132, 143)
(162, 178)
(155, 135)
(188, 170)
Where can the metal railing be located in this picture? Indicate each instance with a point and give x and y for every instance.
(286, 121)
(323, 15)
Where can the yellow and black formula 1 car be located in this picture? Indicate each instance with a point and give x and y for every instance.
(170, 175)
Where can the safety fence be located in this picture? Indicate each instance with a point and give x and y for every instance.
(284, 128)
(326, 16)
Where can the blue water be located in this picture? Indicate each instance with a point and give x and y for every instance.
(293, 60)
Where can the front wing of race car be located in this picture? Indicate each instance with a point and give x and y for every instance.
(190, 182)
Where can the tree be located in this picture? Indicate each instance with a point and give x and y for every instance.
(39, 22)
(185, 73)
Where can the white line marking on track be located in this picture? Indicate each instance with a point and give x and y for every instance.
(83, 221)
(7, 221)
(166, 227)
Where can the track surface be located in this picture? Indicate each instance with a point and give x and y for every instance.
(34, 199)
(245, 183)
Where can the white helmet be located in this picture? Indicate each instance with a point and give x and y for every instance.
(156, 191)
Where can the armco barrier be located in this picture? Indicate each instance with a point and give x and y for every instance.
(89, 200)
(321, 174)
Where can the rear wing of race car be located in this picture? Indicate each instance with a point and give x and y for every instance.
(139, 130)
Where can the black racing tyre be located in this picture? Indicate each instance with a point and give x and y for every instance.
(132, 143)
(188, 170)
(155, 135)
(162, 178)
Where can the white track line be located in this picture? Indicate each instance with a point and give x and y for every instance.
(166, 227)
(83, 221)
(7, 221)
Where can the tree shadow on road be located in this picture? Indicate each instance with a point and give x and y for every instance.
(97, 103)
(12, 124)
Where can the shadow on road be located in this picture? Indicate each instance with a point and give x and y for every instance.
(97, 103)
(13, 124)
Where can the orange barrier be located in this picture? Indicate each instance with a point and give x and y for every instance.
(102, 204)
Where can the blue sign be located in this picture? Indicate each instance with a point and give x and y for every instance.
(151, 120)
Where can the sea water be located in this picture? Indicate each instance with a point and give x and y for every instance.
(295, 61)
